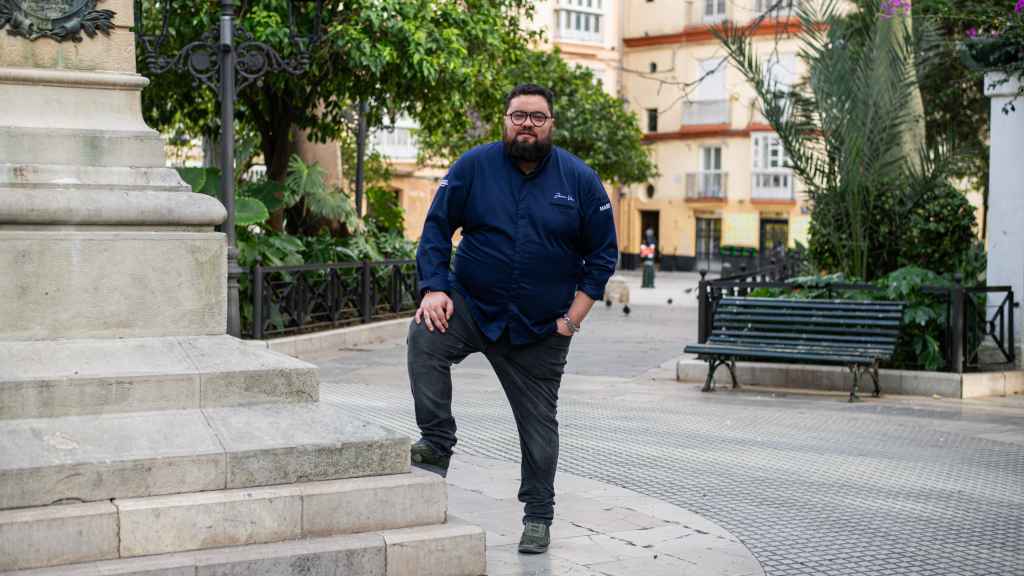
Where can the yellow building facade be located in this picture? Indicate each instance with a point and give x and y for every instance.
(724, 180)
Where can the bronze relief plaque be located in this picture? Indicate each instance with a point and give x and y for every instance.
(57, 19)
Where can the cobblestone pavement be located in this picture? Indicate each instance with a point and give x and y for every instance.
(809, 483)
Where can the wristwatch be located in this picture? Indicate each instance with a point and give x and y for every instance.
(573, 327)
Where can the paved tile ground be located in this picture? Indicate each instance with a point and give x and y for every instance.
(809, 483)
(600, 529)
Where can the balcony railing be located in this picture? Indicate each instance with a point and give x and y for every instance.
(579, 36)
(706, 112)
(708, 185)
(772, 185)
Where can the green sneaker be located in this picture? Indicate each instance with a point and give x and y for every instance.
(423, 456)
(536, 538)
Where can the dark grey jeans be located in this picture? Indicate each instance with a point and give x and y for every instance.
(530, 375)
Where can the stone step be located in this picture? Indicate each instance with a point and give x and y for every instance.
(43, 379)
(436, 550)
(136, 527)
(102, 457)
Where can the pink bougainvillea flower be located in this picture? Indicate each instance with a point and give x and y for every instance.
(973, 32)
(1019, 7)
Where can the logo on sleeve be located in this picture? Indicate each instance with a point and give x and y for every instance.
(606, 207)
(443, 183)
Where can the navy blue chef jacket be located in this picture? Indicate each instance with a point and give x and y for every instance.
(529, 241)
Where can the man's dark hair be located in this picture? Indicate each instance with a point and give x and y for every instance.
(532, 90)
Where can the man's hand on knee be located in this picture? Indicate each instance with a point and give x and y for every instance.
(435, 310)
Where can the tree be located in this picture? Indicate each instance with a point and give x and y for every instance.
(845, 129)
(590, 123)
(423, 57)
(957, 109)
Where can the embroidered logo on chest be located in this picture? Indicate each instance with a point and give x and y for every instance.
(559, 196)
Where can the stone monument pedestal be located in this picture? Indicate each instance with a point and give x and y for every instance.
(136, 437)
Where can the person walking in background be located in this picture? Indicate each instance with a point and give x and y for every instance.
(538, 246)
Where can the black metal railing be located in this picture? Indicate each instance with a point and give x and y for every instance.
(733, 264)
(296, 299)
(970, 320)
(980, 326)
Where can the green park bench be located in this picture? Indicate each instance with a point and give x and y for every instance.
(859, 334)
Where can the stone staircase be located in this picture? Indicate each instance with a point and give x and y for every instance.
(203, 455)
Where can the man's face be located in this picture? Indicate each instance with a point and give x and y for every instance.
(528, 142)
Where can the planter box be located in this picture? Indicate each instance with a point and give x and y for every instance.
(839, 379)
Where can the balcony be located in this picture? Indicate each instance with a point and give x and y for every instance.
(772, 186)
(706, 112)
(397, 144)
(583, 36)
(706, 186)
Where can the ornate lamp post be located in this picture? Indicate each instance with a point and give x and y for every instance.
(226, 59)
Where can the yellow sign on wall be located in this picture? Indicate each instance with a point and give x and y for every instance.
(740, 229)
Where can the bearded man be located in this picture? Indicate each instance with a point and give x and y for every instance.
(538, 246)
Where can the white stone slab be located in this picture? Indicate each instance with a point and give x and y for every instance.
(821, 377)
(162, 524)
(40, 379)
(111, 284)
(445, 550)
(284, 443)
(360, 554)
(56, 535)
(234, 374)
(89, 458)
(369, 504)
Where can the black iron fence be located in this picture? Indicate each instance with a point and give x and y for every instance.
(988, 316)
(295, 299)
(974, 316)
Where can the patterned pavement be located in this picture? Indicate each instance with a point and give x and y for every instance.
(811, 484)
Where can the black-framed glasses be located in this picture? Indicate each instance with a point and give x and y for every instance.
(536, 118)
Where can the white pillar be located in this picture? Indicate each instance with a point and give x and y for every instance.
(1006, 191)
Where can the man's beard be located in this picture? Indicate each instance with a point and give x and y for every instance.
(530, 151)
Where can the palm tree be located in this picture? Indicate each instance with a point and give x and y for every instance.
(853, 127)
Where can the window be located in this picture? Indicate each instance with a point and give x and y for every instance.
(709, 237)
(650, 191)
(768, 152)
(711, 159)
(780, 71)
(580, 20)
(710, 181)
(785, 9)
(652, 119)
(397, 142)
(712, 87)
(654, 67)
(714, 10)
(774, 237)
(773, 179)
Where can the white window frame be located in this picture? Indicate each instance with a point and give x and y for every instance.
(781, 69)
(712, 176)
(771, 169)
(713, 11)
(711, 88)
(580, 21)
(787, 9)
